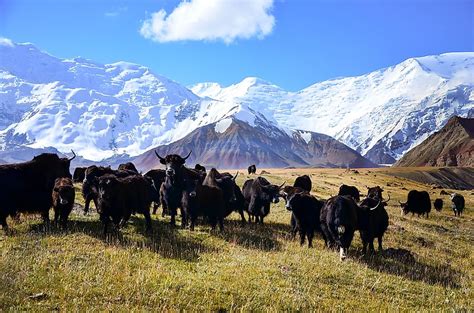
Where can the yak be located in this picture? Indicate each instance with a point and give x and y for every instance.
(158, 177)
(89, 185)
(417, 202)
(175, 182)
(303, 182)
(372, 222)
(199, 167)
(305, 211)
(252, 169)
(27, 187)
(63, 200)
(338, 220)
(352, 191)
(258, 194)
(458, 204)
(129, 166)
(209, 199)
(438, 204)
(119, 198)
(79, 174)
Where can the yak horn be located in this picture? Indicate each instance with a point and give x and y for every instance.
(282, 184)
(236, 174)
(73, 155)
(188, 155)
(159, 157)
(388, 197)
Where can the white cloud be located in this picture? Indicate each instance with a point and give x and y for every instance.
(224, 20)
(6, 42)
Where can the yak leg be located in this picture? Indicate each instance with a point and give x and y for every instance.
(371, 245)
(105, 221)
(45, 216)
(380, 243)
(242, 216)
(148, 221)
(364, 246)
(184, 219)
(155, 207)
(193, 222)
(221, 223)
(310, 235)
(56, 217)
(3, 222)
(302, 237)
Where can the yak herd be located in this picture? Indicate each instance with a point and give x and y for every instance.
(44, 182)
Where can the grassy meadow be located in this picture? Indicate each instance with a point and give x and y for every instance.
(428, 264)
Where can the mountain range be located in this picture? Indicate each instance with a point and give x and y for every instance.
(124, 110)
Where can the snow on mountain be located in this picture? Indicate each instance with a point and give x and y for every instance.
(97, 110)
(382, 114)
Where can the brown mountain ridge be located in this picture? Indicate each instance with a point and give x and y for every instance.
(453, 145)
(263, 144)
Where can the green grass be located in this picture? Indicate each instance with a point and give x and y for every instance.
(429, 264)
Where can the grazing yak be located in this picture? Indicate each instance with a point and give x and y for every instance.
(352, 191)
(172, 188)
(79, 174)
(438, 204)
(303, 182)
(89, 185)
(258, 194)
(129, 166)
(252, 169)
(458, 204)
(372, 222)
(338, 220)
(27, 187)
(199, 167)
(63, 200)
(417, 202)
(158, 177)
(119, 198)
(305, 211)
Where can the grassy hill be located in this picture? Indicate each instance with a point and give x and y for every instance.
(427, 265)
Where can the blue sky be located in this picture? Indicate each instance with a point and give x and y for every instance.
(292, 43)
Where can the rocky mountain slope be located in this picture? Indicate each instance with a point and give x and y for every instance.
(453, 145)
(231, 143)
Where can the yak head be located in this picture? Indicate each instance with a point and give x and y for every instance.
(106, 186)
(173, 162)
(269, 192)
(64, 189)
(374, 192)
(404, 207)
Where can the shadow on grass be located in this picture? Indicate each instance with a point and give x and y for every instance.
(402, 262)
(254, 236)
(164, 240)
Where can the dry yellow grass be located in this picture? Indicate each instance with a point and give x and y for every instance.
(251, 268)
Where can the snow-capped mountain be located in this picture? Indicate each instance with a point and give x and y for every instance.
(382, 114)
(97, 110)
(232, 143)
(114, 110)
